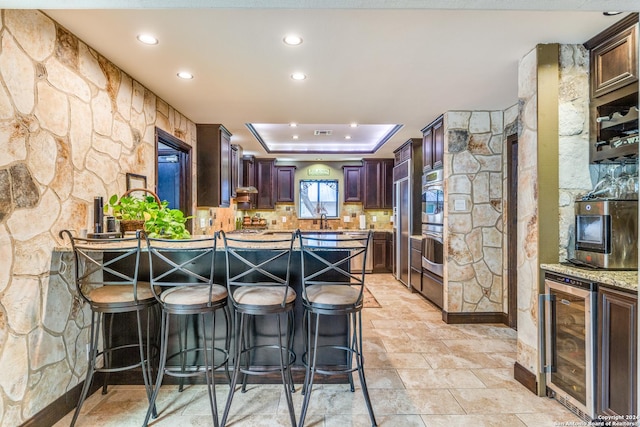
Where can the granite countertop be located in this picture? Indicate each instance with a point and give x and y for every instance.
(620, 279)
(342, 237)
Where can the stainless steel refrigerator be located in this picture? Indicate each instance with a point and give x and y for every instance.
(402, 221)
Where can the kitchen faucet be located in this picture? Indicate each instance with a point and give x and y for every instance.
(324, 224)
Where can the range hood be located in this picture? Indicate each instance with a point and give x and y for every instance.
(243, 193)
(247, 190)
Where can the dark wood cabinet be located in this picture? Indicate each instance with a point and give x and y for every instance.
(390, 252)
(403, 153)
(387, 173)
(236, 166)
(614, 61)
(381, 252)
(613, 124)
(264, 174)
(248, 174)
(352, 183)
(285, 182)
(377, 183)
(214, 165)
(617, 352)
(433, 145)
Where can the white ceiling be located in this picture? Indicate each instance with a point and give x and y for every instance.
(404, 62)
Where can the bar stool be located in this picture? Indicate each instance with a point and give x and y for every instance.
(258, 273)
(106, 277)
(329, 288)
(182, 280)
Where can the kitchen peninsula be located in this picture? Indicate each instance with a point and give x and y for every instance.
(335, 332)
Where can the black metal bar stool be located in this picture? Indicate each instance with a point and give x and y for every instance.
(182, 279)
(329, 288)
(106, 276)
(258, 272)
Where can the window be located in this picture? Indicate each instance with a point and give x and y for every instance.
(318, 197)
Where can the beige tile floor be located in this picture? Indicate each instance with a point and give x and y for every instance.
(420, 372)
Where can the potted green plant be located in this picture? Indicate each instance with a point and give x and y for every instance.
(150, 214)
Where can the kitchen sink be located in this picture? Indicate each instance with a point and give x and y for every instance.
(344, 232)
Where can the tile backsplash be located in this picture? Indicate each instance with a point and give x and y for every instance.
(284, 217)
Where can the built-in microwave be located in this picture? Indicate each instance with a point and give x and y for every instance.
(606, 233)
(432, 198)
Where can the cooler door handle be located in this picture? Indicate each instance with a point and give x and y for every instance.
(543, 332)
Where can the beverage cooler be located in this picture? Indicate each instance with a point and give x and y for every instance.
(567, 333)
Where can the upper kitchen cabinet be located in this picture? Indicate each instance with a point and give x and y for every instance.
(614, 60)
(614, 92)
(285, 183)
(214, 165)
(248, 179)
(378, 183)
(352, 183)
(264, 174)
(236, 168)
(402, 154)
(433, 145)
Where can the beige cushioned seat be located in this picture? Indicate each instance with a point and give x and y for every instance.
(193, 295)
(263, 295)
(332, 294)
(111, 294)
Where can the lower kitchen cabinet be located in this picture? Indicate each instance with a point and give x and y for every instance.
(617, 352)
(381, 252)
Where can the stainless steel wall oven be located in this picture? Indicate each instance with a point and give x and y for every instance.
(567, 334)
(433, 197)
(432, 249)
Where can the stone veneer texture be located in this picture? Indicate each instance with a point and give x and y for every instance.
(573, 125)
(573, 175)
(527, 221)
(71, 125)
(473, 224)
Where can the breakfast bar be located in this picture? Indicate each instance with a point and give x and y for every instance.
(334, 333)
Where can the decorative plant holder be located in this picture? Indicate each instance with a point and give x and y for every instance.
(133, 225)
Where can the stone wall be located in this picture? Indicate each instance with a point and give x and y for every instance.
(71, 126)
(473, 222)
(573, 114)
(527, 262)
(573, 179)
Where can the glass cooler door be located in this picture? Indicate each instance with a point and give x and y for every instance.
(570, 339)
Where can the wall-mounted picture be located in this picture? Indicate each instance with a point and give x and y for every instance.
(136, 181)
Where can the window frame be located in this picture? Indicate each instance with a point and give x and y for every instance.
(318, 182)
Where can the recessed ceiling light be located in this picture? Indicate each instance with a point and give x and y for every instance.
(347, 137)
(298, 76)
(147, 39)
(292, 40)
(185, 75)
(295, 136)
(354, 125)
(292, 124)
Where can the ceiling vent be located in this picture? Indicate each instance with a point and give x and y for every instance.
(322, 132)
